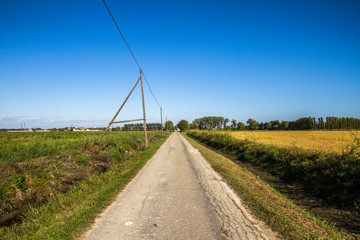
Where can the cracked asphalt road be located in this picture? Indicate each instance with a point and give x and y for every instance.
(177, 195)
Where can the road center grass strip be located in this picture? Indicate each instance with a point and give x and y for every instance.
(68, 215)
(268, 205)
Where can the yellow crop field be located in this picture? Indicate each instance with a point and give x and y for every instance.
(328, 141)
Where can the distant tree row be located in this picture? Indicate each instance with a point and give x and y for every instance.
(330, 123)
(140, 127)
(168, 126)
(210, 123)
(307, 123)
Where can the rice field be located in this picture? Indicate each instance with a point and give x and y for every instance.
(319, 141)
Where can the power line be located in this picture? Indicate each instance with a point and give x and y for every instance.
(132, 54)
(151, 90)
(121, 34)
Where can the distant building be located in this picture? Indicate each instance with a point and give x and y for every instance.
(79, 129)
(94, 129)
(21, 130)
(41, 130)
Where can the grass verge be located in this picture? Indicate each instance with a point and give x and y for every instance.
(268, 205)
(68, 215)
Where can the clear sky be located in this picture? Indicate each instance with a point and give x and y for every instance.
(63, 63)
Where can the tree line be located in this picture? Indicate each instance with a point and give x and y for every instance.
(140, 127)
(306, 123)
(168, 126)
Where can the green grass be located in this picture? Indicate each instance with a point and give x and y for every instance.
(66, 215)
(17, 147)
(37, 165)
(268, 205)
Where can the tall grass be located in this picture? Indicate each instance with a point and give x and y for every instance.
(16, 148)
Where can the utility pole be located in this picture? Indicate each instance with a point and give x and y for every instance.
(134, 120)
(165, 125)
(161, 122)
(143, 102)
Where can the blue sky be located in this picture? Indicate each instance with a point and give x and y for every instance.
(63, 63)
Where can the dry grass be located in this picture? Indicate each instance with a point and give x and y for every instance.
(319, 141)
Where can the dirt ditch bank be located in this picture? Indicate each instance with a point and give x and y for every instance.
(38, 180)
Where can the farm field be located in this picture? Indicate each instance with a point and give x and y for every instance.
(331, 176)
(280, 213)
(323, 181)
(320, 141)
(36, 166)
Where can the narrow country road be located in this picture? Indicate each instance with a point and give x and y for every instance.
(177, 196)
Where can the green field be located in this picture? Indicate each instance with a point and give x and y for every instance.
(37, 166)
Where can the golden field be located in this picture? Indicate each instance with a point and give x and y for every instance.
(328, 141)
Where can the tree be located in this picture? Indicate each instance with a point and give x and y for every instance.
(209, 123)
(284, 125)
(218, 122)
(194, 124)
(183, 125)
(169, 125)
(275, 124)
(233, 124)
(116, 128)
(226, 120)
(252, 124)
(205, 123)
(241, 126)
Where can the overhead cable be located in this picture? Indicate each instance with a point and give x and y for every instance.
(132, 54)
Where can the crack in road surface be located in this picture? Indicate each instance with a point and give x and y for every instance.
(177, 195)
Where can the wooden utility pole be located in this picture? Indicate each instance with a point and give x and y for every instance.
(122, 105)
(162, 133)
(143, 102)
